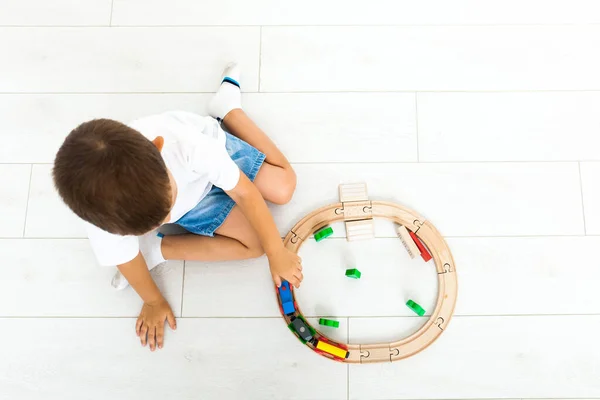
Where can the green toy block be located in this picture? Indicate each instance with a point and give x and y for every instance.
(416, 308)
(353, 273)
(323, 233)
(329, 322)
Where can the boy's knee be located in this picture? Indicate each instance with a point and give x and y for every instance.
(255, 252)
(254, 249)
(285, 189)
(253, 246)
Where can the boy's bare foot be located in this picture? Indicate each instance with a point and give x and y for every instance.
(229, 96)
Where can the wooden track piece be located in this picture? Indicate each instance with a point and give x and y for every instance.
(360, 230)
(408, 242)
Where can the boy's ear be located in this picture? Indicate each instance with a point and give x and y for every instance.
(159, 142)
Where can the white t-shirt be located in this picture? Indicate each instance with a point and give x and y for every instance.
(194, 152)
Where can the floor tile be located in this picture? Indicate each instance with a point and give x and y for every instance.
(427, 58)
(14, 187)
(125, 59)
(56, 12)
(472, 199)
(338, 12)
(590, 180)
(216, 358)
(477, 356)
(60, 277)
(541, 126)
(47, 215)
(36, 140)
(338, 127)
(307, 127)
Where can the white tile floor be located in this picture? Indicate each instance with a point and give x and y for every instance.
(483, 116)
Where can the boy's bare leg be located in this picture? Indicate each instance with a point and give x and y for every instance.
(234, 240)
(239, 124)
(276, 181)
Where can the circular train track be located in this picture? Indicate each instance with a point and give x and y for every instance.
(383, 352)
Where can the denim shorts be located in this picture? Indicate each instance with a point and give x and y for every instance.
(210, 213)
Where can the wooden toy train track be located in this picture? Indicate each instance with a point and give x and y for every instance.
(358, 212)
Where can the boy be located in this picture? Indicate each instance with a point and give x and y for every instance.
(126, 181)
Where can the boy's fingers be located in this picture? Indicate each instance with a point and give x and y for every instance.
(171, 320)
(299, 275)
(277, 280)
(296, 282)
(143, 334)
(152, 338)
(138, 326)
(160, 335)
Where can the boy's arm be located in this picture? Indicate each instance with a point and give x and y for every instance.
(150, 325)
(284, 263)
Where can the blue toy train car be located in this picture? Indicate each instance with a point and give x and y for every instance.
(287, 300)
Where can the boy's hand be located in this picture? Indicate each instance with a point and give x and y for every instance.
(150, 326)
(286, 265)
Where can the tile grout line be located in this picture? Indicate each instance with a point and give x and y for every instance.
(335, 91)
(27, 203)
(112, 4)
(582, 200)
(458, 316)
(417, 125)
(259, 57)
(315, 26)
(388, 162)
(516, 236)
(182, 289)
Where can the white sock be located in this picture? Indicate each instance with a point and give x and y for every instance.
(150, 246)
(229, 96)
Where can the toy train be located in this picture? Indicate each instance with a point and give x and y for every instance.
(304, 331)
(287, 300)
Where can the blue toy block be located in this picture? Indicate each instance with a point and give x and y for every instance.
(288, 308)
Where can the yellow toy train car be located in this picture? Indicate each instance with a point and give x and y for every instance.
(331, 349)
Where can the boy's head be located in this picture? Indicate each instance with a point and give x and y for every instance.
(113, 177)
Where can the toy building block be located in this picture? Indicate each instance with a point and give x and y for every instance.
(353, 273)
(329, 322)
(323, 233)
(424, 252)
(357, 230)
(408, 242)
(353, 192)
(416, 308)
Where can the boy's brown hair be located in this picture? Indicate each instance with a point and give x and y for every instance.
(113, 177)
